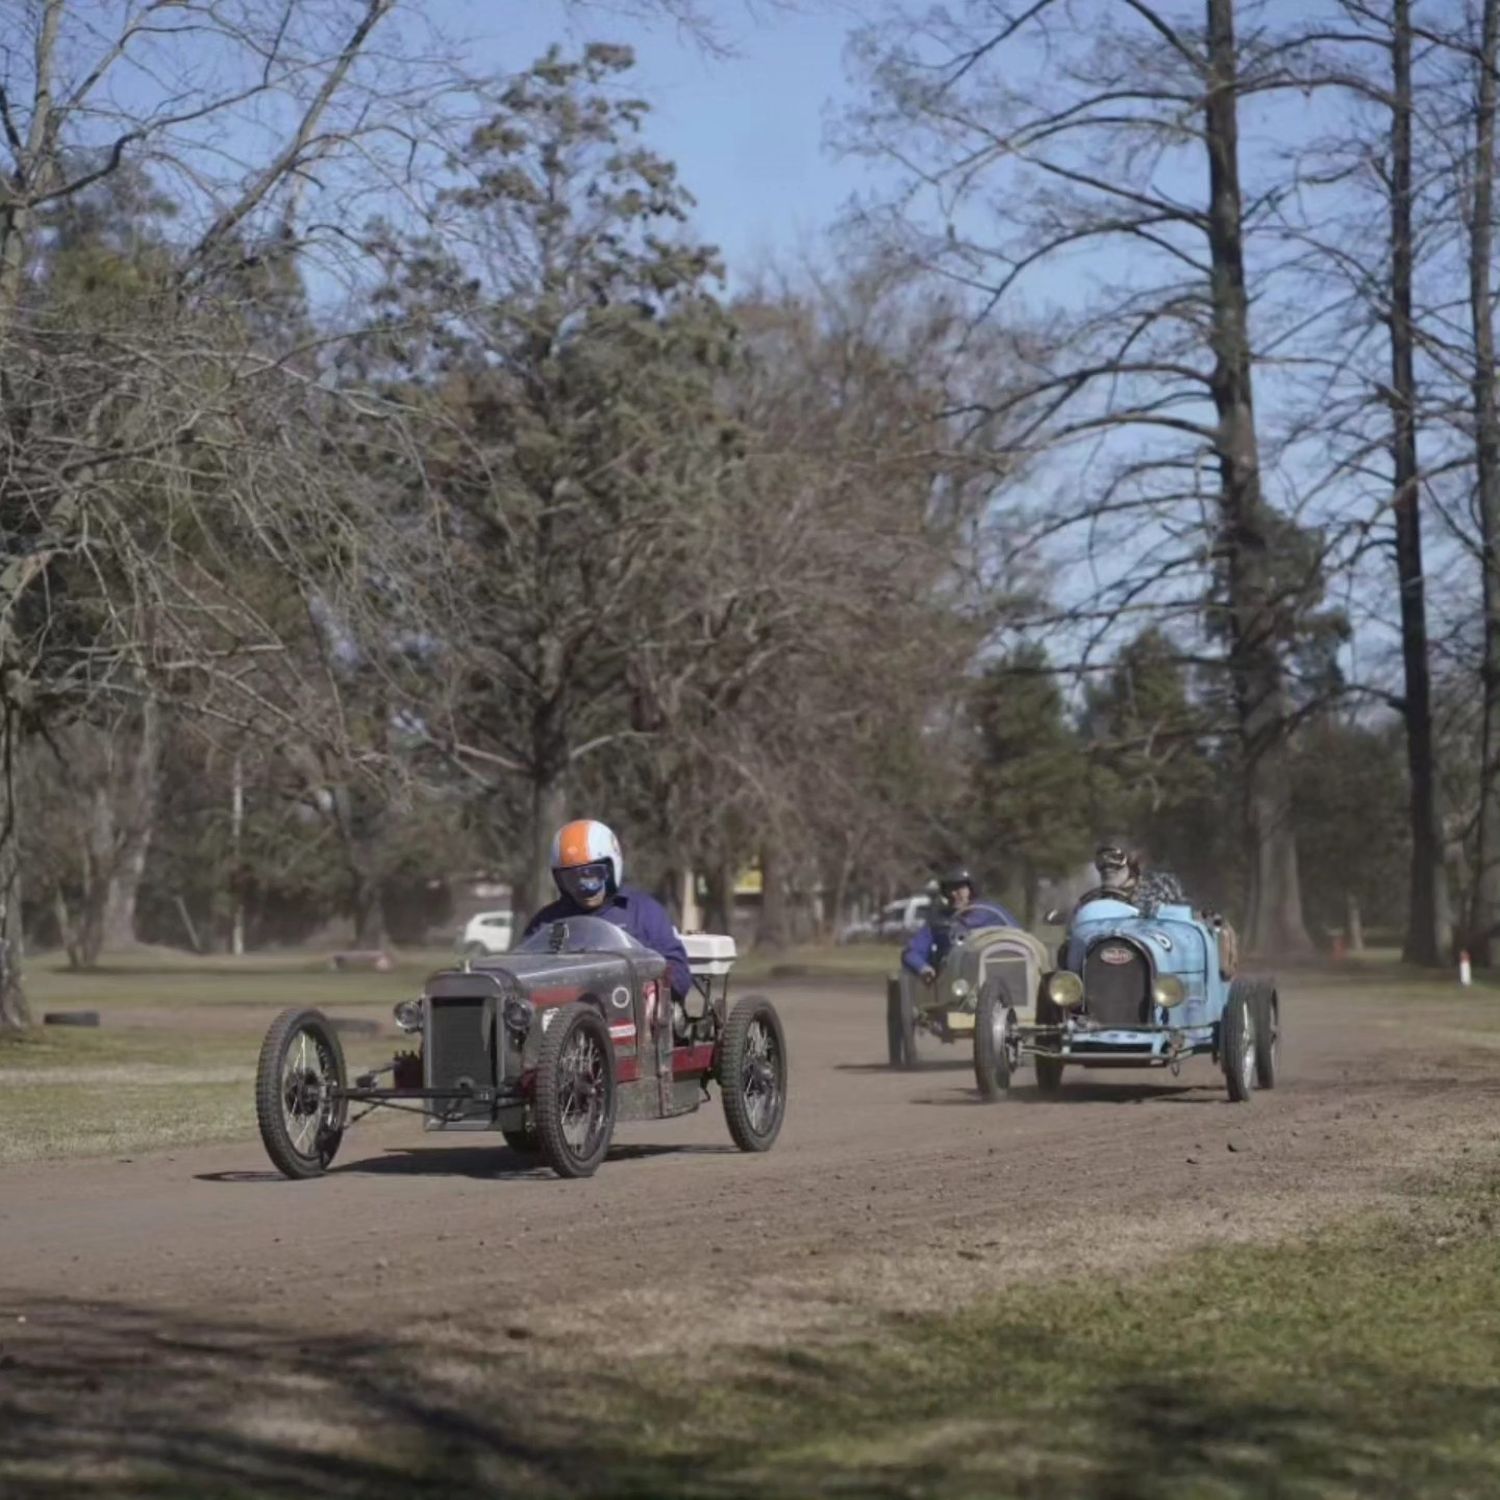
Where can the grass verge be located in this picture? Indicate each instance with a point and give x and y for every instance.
(67, 1092)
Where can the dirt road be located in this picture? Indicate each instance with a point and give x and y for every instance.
(874, 1170)
(435, 1317)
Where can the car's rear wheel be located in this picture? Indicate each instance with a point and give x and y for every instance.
(299, 1093)
(900, 1024)
(995, 1048)
(753, 1073)
(575, 1092)
(1237, 1044)
(895, 1030)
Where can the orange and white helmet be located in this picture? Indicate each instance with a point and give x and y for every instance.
(586, 860)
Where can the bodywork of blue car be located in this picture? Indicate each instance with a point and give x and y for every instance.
(1153, 988)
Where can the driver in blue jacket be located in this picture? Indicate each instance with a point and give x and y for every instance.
(928, 948)
(588, 868)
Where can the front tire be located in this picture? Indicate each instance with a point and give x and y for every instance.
(1049, 1070)
(994, 1044)
(1265, 1013)
(299, 1093)
(575, 1092)
(1237, 1045)
(753, 1073)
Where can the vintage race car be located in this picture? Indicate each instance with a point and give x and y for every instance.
(1005, 962)
(1136, 990)
(549, 1044)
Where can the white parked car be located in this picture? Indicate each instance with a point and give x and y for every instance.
(488, 932)
(894, 923)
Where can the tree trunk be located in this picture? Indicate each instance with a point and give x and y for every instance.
(369, 914)
(1354, 927)
(1275, 924)
(135, 824)
(1428, 934)
(1486, 914)
(687, 903)
(15, 1015)
(775, 928)
(549, 811)
(236, 840)
(719, 908)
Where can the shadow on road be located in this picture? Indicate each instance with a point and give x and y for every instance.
(924, 1065)
(112, 1400)
(483, 1162)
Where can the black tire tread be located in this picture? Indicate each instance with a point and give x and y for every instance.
(268, 1110)
(731, 1059)
(1232, 1042)
(1049, 1072)
(1260, 994)
(894, 1031)
(991, 1073)
(551, 1142)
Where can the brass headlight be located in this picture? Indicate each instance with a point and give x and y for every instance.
(961, 989)
(1168, 990)
(1065, 988)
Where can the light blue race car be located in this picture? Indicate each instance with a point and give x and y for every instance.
(1136, 989)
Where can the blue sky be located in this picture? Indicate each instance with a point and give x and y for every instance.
(746, 130)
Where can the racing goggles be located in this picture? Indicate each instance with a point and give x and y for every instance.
(584, 883)
(1110, 857)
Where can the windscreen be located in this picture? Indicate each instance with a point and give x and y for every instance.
(579, 935)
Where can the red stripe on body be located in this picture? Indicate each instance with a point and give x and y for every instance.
(697, 1059)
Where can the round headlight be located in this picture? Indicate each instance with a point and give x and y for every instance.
(961, 988)
(408, 1014)
(1168, 990)
(1065, 988)
(518, 1015)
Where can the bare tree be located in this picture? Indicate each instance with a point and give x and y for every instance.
(94, 420)
(1486, 419)
(1155, 382)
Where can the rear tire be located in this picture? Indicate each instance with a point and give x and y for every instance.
(901, 1024)
(753, 1073)
(895, 1033)
(575, 1092)
(994, 1019)
(299, 1084)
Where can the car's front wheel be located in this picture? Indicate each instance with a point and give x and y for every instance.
(1237, 1044)
(995, 1046)
(299, 1092)
(575, 1091)
(753, 1073)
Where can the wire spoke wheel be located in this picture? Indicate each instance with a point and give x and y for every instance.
(582, 1100)
(574, 1103)
(753, 1073)
(760, 1076)
(299, 1093)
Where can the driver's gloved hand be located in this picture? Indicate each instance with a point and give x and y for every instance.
(928, 974)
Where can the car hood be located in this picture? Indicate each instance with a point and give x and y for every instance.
(1174, 941)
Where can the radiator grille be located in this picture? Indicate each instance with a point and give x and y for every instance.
(1012, 971)
(456, 1050)
(1116, 984)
